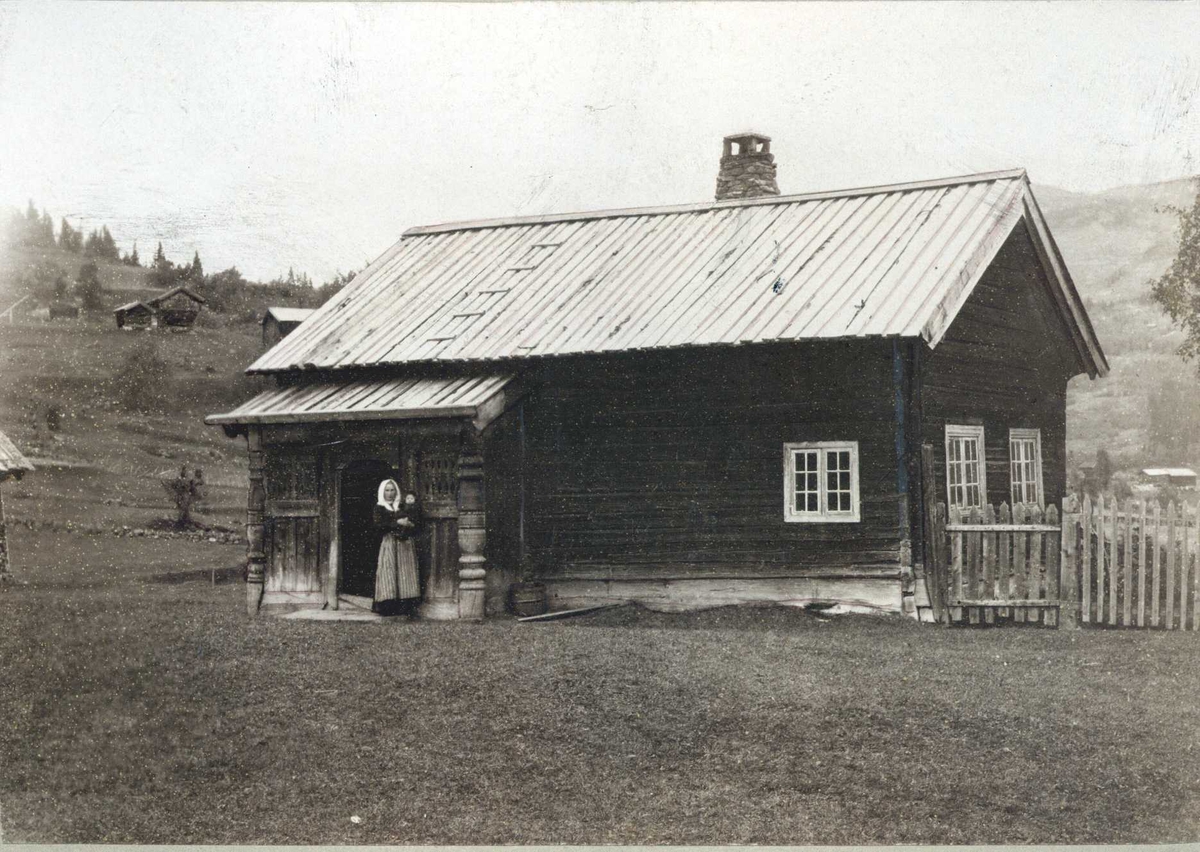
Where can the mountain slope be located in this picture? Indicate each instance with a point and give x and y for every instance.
(1115, 242)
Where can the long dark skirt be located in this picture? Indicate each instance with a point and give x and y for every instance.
(396, 576)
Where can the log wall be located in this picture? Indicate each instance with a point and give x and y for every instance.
(1004, 363)
(663, 465)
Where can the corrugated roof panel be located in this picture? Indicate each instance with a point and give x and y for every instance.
(392, 399)
(12, 463)
(884, 261)
(290, 314)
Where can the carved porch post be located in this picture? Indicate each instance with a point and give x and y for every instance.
(256, 556)
(4, 574)
(472, 528)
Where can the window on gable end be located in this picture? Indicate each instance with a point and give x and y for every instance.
(966, 467)
(1025, 465)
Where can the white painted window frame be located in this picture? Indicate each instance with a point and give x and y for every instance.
(823, 516)
(1023, 434)
(954, 430)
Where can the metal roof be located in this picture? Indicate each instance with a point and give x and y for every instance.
(891, 261)
(289, 314)
(12, 463)
(387, 399)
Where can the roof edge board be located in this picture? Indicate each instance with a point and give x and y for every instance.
(933, 330)
(480, 224)
(1057, 268)
(231, 419)
(520, 360)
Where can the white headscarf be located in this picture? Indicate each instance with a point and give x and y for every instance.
(379, 499)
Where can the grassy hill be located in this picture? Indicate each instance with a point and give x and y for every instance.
(18, 266)
(1114, 243)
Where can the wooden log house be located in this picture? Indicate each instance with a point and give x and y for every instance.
(13, 465)
(278, 323)
(685, 406)
(135, 315)
(176, 308)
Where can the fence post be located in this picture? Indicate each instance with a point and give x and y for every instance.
(956, 567)
(1020, 541)
(940, 560)
(988, 556)
(1113, 573)
(1169, 609)
(1184, 564)
(1085, 564)
(1053, 617)
(1068, 571)
(1141, 568)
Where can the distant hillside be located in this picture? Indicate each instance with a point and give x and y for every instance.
(1114, 242)
(18, 266)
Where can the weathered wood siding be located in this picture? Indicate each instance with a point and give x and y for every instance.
(504, 484)
(293, 536)
(1003, 364)
(671, 464)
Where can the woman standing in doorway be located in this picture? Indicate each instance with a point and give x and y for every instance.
(397, 580)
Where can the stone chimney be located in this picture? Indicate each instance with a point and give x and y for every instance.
(747, 167)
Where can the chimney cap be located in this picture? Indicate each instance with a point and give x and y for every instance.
(748, 134)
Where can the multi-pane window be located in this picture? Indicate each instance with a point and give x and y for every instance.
(821, 481)
(966, 485)
(1025, 465)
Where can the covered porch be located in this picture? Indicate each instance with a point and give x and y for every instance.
(317, 452)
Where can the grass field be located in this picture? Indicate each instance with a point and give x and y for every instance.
(103, 453)
(139, 704)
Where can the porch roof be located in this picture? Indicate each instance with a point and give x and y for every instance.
(475, 396)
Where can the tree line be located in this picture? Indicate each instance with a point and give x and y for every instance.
(32, 229)
(226, 292)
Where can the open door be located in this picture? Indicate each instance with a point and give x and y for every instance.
(359, 545)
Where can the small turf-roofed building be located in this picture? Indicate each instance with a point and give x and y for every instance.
(687, 406)
(135, 315)
(177, 308)
(278, 323)
(13, 465)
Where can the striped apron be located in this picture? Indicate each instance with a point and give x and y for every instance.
(396, 575)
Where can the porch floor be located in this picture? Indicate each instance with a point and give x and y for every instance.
(340, 615)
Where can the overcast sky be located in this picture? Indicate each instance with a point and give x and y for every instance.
(310, 136)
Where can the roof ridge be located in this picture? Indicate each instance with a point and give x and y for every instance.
(695, 207)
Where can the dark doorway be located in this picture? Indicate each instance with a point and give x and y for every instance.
(359, 538)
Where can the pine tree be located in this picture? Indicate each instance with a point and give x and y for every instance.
(88, 286)
(108, 246)
(133, 256)
(46, 231)
(31, 229)
(64, 235)
(92, 246)
(162, 272)
(197, 271)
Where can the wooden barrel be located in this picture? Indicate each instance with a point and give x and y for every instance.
(527, 598)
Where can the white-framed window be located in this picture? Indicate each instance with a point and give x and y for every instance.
(1025, 465)
(966, 468)
(820, 482)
